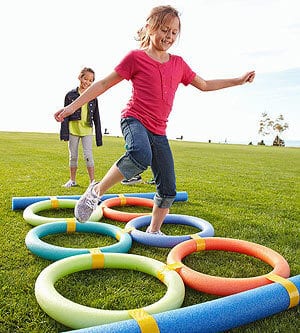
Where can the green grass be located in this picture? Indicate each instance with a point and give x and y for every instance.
(245, 192)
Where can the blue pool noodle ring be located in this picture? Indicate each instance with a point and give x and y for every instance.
(52, 252)
(139, 236)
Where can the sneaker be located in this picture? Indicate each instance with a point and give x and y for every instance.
(158, 232)
(86, 204)
(132, 181)
(70, 183)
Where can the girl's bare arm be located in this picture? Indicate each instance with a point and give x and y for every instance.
(209, 85)
(95, 90)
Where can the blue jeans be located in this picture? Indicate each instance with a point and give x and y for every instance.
(147, 149)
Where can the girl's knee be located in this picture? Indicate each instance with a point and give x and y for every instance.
(164, 201)
(129, 167)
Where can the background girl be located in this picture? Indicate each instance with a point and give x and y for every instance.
(79, 126)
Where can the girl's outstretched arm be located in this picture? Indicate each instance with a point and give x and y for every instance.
(209, 85)
(97, 89)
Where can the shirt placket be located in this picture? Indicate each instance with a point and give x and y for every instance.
(163, 80)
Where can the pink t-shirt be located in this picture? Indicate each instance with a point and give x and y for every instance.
(154, 86)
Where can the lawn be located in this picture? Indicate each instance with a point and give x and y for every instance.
(246, 192)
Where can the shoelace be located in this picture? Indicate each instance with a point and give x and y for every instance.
(92, 202)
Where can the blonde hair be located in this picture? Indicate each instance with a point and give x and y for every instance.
(158, 16)
(86, 70)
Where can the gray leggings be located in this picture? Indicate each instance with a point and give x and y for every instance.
(87, 144)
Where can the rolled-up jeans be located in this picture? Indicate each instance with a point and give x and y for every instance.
(144, 149)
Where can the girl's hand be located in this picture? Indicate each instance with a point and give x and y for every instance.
(59, 115)
(62, 114)
(248, 77)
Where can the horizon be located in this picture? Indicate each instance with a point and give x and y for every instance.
(267, 141)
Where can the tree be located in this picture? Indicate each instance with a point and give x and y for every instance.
(279, 126)
(267, 126)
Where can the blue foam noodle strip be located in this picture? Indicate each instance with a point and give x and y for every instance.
(214, 316)
(23, 202)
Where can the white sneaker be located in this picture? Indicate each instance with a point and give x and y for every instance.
(86, 204)
(70, 183)
(158, 232)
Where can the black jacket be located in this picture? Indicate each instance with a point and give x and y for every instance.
(93, 117)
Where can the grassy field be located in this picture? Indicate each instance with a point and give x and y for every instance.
(245, 192)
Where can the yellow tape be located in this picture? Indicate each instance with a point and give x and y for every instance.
(54, 202)
(288, 285)
(71, 225)
(175, 265)
(97, 258)
(145, 321)
(118, 235)
(122, 200)
(170, 267)
(200, 242)
(195, 236)
(95, 250)
(127, 230)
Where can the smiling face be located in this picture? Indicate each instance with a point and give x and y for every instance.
(164, 36)
(86, 79)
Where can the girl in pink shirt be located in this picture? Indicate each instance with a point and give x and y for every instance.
(155, 75)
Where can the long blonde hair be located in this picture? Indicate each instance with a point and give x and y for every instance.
(158, 16)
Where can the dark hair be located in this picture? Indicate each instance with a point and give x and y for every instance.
(158, 16)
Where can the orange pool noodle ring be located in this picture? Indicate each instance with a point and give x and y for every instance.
(221, 285)
(122, 216)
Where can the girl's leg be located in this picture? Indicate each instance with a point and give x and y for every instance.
(91, 172)
(73, 171)
(134, 161)
(158, 216)
(87, 145)
(73, 155)
(112, 177)
(164, 174)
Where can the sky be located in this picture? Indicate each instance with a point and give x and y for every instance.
(46, 43)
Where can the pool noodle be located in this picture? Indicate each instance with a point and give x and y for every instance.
(23, 202)
(213, 316)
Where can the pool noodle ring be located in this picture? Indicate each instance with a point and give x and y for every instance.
(124, 201)
(79, 316)
(52, 252)
(223, 286)
(139, 236)
(30, 216)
